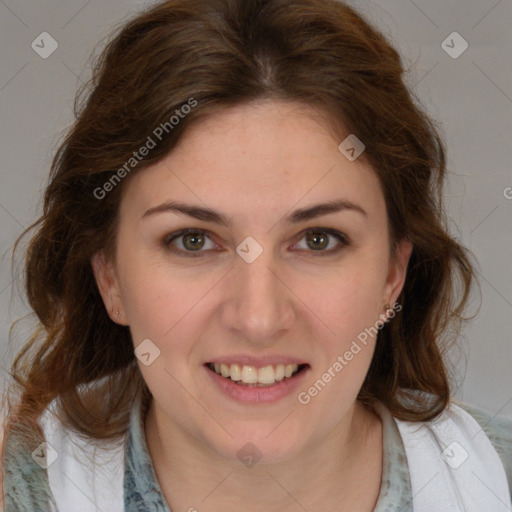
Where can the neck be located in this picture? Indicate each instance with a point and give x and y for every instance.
(333, 472)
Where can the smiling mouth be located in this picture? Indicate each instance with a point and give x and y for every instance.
(251, 376)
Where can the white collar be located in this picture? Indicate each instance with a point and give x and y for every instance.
(453, 465)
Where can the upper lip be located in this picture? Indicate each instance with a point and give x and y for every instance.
(258, 361)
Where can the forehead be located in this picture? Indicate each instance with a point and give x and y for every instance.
(262, 157)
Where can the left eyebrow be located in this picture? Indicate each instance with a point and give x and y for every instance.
(318, 210)
(213, 216)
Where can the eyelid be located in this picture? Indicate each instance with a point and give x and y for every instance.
(167, 241)
(330, 231)
(342, 238)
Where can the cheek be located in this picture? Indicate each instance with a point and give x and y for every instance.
(347, 300)
(158, 296)
(163, 306)
(350, 308)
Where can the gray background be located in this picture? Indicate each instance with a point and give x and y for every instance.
(470, 96)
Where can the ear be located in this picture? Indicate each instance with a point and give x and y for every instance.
(397, 271)
(108, 286)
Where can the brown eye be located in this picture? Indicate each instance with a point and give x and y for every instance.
(317, 241)
(193, 241)
(323, 241)
(189, 242)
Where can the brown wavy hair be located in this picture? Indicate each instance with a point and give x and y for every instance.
(224, 53)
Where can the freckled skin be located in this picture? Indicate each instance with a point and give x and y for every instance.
(255, 164)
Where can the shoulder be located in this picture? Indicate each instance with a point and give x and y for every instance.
(499, 431)
(37, 460)
(25, 485)
(2, 465)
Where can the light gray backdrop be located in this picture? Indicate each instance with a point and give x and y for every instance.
(468, 90)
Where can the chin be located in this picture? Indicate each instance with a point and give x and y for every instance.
(259, 445)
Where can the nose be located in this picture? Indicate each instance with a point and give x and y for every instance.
(258, 304)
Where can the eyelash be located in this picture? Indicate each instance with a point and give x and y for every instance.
(342, 238)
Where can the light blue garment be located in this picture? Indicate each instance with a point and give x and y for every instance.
(26, 484)
(142, 491)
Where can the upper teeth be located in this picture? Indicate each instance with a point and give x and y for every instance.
(252, 374)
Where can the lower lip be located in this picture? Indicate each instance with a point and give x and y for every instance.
(256, 394)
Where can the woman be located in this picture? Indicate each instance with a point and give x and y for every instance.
(245, 284)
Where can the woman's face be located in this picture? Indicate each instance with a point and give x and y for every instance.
(249, 289)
